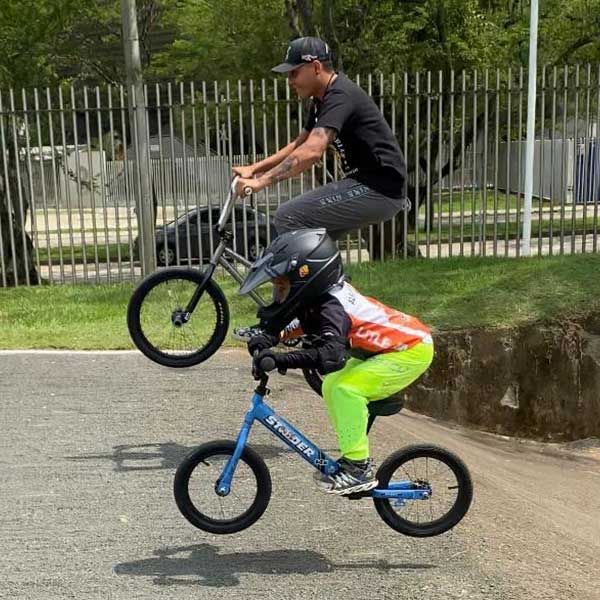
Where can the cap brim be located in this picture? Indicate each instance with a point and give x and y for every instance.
(285, 67)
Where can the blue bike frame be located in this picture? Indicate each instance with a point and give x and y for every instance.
(310, 452)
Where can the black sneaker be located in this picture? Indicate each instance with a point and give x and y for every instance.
(354, 477)
(323, 482)
(245, 334)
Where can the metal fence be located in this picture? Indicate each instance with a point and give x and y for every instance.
(67, 175)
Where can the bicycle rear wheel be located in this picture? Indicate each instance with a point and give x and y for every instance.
(426, 467)
(161, 325)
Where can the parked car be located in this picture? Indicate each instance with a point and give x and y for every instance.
(174, 235)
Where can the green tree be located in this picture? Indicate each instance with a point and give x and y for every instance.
(223, 39)
(47, 43)
(27, 30)
(570, 31)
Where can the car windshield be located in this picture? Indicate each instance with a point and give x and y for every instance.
(186, 216)
(189, 216)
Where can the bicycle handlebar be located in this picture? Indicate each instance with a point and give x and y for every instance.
(233, 185)
(227, 207)
(247, 189)
(266, 364)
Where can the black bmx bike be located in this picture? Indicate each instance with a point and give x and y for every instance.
(179, 316)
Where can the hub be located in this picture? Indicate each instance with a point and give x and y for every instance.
(179, 317)
(221, 490)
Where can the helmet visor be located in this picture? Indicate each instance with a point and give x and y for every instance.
(261, 271)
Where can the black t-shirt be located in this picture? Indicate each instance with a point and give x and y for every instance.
(368, 150)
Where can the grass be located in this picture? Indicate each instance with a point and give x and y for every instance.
(456, 293)
(473, 201)
(75, 254)
(82, 317)
(502, 231)
(447, 294)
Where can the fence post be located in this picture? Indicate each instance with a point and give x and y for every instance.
(139, 133)
(531, 93)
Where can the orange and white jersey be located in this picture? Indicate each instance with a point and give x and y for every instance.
(376, 327)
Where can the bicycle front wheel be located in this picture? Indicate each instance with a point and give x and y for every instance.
(196, 481)
(163, 328)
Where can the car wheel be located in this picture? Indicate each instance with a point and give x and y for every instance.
(254, 250)
(165, 256)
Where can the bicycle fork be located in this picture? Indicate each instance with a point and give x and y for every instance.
(223, 485)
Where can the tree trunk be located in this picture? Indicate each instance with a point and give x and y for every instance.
(327, 10)
(16, 247)
(306, 13)
(300, 15)
(292, 13)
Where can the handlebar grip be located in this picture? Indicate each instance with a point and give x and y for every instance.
(247, 191)
(266, 364)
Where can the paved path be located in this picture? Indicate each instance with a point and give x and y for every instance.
(88, 450)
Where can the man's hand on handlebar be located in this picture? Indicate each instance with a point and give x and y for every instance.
(245, 187)
(245, 172)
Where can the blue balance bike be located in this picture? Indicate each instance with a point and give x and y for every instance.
(224, 486)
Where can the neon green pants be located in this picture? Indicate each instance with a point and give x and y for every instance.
(347, 392)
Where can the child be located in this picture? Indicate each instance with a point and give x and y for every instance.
(367, 351)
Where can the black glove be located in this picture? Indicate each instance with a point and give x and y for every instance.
(260, 342)
(278, 359)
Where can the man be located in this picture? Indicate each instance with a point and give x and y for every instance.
(342, 114)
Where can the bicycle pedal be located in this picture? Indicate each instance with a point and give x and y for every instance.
(245, 334)
(365, 488)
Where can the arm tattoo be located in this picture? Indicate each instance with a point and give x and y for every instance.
(283, 169)
(325, 132)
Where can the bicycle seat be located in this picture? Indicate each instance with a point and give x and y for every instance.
(386, 407)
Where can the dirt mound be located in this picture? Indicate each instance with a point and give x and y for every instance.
(540, 381)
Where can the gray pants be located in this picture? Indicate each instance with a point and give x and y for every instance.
(339, 207)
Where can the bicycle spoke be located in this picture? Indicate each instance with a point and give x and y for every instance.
(430, 509)
(408, 476)
(204, 497)
(443, 484)
(185, 338)
(172, 337)
(172, 297)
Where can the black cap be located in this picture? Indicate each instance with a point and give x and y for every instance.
(301, 51)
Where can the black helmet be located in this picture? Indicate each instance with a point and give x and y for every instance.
(310, 260)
